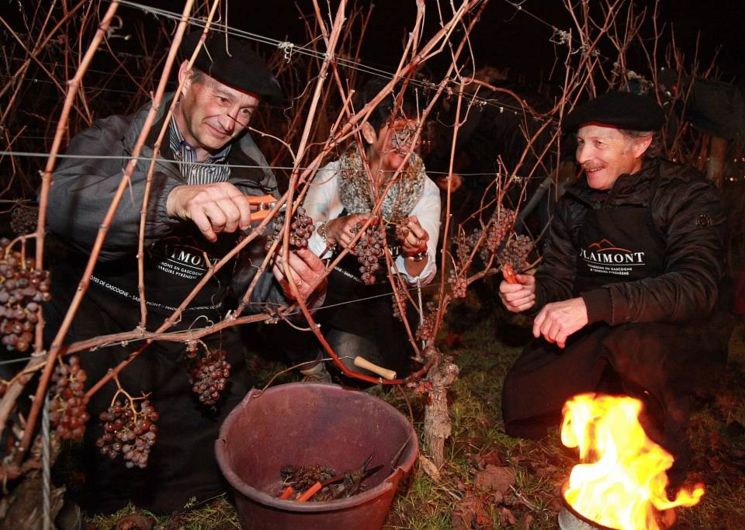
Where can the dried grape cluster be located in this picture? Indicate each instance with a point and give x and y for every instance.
(515, 253)
(458, 285)
(426, 330)
(395, 308)
(129, 430)
(208, 375)
(301, 228)
(369, 249)
(22, 289)
(395, 234)
(464, 244)
(67, 409)
(499, 227)
(23, 219)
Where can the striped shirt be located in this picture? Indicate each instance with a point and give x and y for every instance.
(214, 169)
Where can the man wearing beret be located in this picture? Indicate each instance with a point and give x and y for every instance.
(624, 299)
(196, 209)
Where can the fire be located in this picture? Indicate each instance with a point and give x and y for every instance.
(621, 480)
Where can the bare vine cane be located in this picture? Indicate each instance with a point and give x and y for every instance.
(400, 298)
(39, 64)
(46, 463)
(331, 43)
(44, 37)
(448, 204)
(44, 197)
(156, 151)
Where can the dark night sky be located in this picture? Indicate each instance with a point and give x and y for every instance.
(505, 37)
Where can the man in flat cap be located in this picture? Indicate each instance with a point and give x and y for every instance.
(624, 299)
(196, 209)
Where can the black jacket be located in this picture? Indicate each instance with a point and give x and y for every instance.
(687, 213)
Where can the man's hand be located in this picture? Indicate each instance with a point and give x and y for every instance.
(519, 296)
(214, 208)
(415, 240)
(306, 269)
(343, 229)
(558, 320)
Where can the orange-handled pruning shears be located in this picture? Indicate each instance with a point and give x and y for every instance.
(509, 273)
(261, 206)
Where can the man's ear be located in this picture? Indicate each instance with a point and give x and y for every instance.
(184, 75)
(368, 133)
(641, 144)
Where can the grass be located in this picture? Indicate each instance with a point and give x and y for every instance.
(479, 447)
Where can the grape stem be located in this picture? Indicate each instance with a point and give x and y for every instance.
(131, 400)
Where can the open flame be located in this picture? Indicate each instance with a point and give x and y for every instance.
(621, 481)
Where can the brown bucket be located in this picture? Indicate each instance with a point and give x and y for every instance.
(314, 424)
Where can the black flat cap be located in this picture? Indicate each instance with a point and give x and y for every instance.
(232, 62)
(623, 110)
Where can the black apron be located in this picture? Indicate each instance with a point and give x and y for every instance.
(618, 244)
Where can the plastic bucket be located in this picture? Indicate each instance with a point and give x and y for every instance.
(312, 424)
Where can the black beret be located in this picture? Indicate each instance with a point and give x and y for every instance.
(232, 62)
(623, 110)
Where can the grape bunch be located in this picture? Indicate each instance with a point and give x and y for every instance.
(22, 289)
(23, 219)
(515, 253)
(129, 430)
(369, 249)
(426, 330)
(301, 228)
(458, 285)
(464, 244)
(67, 409)
(395, 309)
(461, 247)
(499, 227)
(209, 375)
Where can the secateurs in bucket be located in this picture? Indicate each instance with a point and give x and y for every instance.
(340, 485)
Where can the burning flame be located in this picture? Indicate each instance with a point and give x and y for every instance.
(621, 480)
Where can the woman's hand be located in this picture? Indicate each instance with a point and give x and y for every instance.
(342, 230)
(413, 238)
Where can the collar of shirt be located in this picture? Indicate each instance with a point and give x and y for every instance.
(213, 169)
